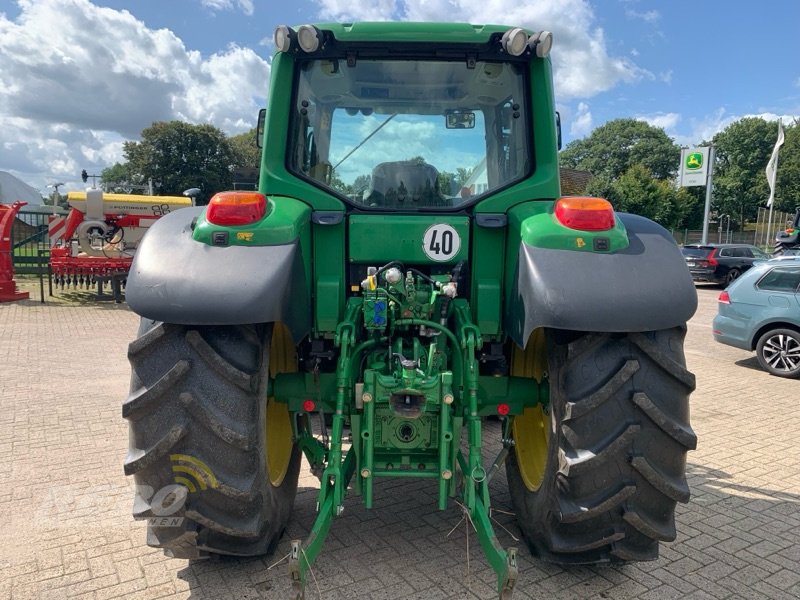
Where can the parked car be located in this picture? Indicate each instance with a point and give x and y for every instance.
(720, 263)
(761, 311)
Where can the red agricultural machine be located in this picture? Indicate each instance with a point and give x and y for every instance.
(8, 287)
(95, 242)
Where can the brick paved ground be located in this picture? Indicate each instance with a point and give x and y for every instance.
(65, 504)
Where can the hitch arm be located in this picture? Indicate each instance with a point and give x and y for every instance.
(303, 555)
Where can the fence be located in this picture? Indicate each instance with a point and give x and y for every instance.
(761, 233)
(766, 231)
(29, 237)
(715, 236)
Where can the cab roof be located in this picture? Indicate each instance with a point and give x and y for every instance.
(409, 31)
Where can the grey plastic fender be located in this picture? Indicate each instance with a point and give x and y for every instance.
(175, 279)
(642, 288)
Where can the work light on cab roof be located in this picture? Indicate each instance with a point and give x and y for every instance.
(309, 38)
(284, 38)
(514, 42)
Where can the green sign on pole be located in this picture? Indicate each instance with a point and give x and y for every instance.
(694, 166)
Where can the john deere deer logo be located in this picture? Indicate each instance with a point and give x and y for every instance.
(189, 471)
(694, 161)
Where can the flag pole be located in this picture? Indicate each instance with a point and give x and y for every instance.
(772, 177)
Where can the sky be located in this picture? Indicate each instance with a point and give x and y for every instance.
(80, 77)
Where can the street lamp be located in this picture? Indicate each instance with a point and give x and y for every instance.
(56, 195)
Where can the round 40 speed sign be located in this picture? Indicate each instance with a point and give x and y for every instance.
(441, 242)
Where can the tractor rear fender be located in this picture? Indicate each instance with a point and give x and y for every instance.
(643, 287)
(176, 279)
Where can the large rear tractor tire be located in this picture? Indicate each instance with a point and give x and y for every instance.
(213, 458)
(596, 475)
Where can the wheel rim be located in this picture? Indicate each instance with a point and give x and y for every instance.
(530, 430)
(732, 275)
(278, 425)
(782, 353)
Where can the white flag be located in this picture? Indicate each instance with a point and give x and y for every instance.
(772, 165)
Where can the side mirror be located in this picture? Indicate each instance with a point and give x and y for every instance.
(262, 117)
(558, 129)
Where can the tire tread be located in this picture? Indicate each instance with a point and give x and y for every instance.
(617, 457)
(208, 408)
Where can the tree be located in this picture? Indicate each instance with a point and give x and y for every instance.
(614, 147)
(361, 184)
(178, 156)
(119, 179)
(51, 199)
(787, 187)
(637, 192)
(742, 150)
(451, 183)
(247, 153)
(634, 165)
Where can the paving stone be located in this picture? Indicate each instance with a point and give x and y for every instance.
(69, 533)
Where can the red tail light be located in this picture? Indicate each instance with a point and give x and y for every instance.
(585, 214)
(711, 260)
(236, 208)
(724, 298)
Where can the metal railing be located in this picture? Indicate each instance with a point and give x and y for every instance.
(30, 239)
(761, 233)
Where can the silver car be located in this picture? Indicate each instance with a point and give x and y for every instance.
(761, 311)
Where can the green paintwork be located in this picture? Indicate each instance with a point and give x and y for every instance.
(409, 32)
(379, 239)
(538, 227)
(545, 182)
(486, 265)
(329, 279)
(274, 178)
(285, 219)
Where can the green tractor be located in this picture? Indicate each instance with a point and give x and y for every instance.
(406, 272)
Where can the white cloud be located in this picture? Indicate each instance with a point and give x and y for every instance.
(703, 129)
(666, 76)
(582, 64)
(246, 6)
(666, 121)
(582, 121)
(67, 101)
(648, 16)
